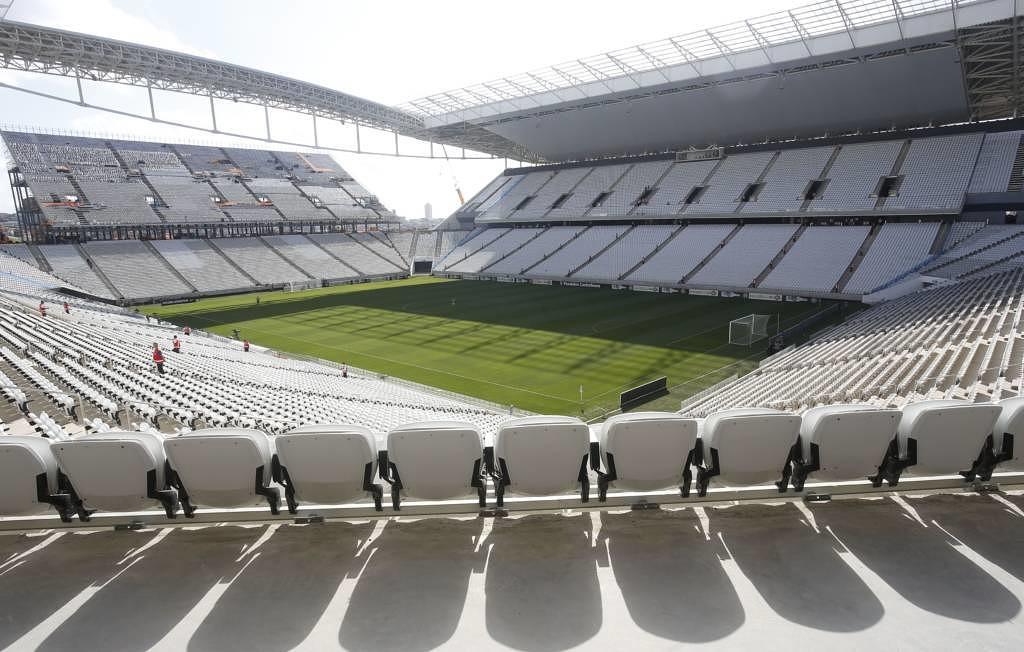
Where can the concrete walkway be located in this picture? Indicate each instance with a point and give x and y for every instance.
(928, 573)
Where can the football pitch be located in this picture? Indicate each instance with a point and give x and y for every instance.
(531, 346)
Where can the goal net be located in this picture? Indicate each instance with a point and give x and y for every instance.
(299, 286)
(747, 330)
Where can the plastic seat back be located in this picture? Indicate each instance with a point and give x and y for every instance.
(850, 440)
(25, 462)
(647, 449)
(542, 455)
(751, 444)
(111, 471)
(328, 463)
(435, 460)
(1010, 423)
(947, 434)
(222, 467)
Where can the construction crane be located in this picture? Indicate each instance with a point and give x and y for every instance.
(455, 180)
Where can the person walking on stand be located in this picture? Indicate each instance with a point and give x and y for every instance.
(176, 344)
(67, 308)
(187, 330)
(42, 309)
(158, 358)
(344, 370)
(245, 345)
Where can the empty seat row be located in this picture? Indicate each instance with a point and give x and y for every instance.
(534, 456)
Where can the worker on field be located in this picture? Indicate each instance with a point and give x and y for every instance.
(42, 309)
(245, 346)
(158, 358)
(257, 299)
(176, 344)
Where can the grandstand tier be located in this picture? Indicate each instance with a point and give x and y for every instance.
(86, 181)
(909, 176)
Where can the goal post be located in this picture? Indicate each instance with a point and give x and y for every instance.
(299, 286)
(747, 330)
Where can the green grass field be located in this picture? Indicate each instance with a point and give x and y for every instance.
(531, 346)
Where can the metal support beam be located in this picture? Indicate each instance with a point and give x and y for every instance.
(846, 23)
(316, 137)
(266, 119)
(213, 114)
(152, 106)
(81, 96)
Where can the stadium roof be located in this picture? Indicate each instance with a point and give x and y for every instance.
(832, 66)
(32, 48)
(835, 66)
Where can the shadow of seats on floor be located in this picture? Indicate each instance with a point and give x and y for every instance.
(542, 587)
(411, 591)
(796, 570)
(919, 563)
(156, 592)
(670, 575)
(281, 595)
(982, 523)
(12, 545)
(53, 575)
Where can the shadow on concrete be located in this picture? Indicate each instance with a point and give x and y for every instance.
(52, 576)
(542, 588)
(982, 524)
(920, 563)
(156, 592)
(670, 576)
(280, 597)
(411, 592)
(796, 570)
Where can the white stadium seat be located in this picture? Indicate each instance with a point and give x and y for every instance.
(938, 437)
(999, 446)
(839, 443)
(223, 467)
(327, 464)
(118, 471)
(647, 451)
(30, 482)
(541, 455)
(434, 460)
(746, 446)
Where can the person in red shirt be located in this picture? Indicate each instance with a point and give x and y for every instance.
(42, 309)
(187, 330)
(158, 358)
(176, 344)
(245, 345)
(67, 308)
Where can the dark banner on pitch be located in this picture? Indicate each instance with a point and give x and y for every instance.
(643, 393)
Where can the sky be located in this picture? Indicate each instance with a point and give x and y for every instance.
(389, 51)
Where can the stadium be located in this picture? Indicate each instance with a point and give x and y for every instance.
(726, 351)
